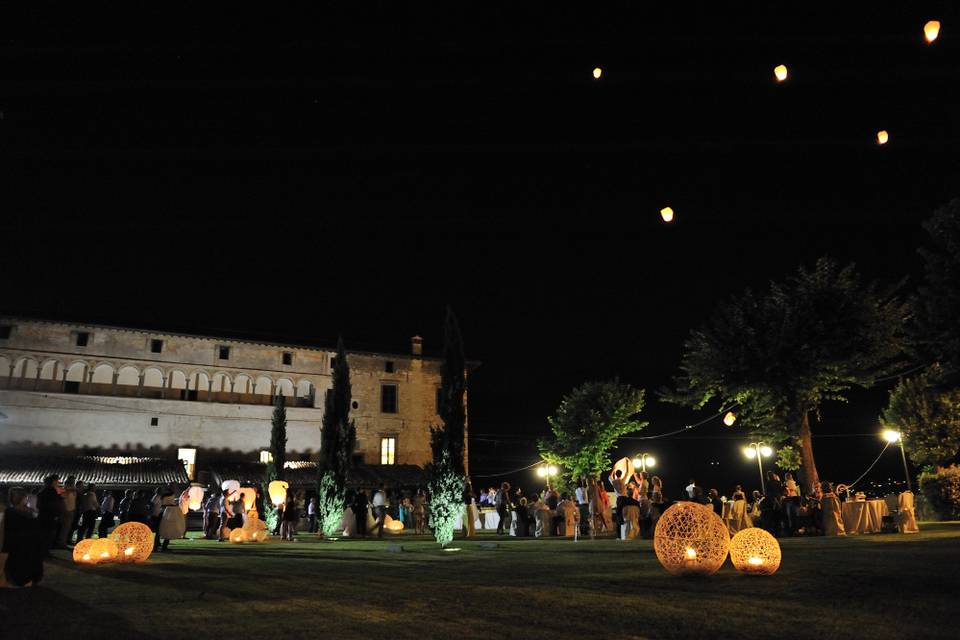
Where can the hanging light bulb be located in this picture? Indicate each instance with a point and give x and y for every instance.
(730, 418)
(882, 136)
(931, 30)
(667, 214)
(597, 72)
(780, 72)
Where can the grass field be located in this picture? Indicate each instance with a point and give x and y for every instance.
(881, 586)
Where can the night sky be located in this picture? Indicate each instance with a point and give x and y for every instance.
(351, 170)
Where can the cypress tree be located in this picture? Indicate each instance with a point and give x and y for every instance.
(337, 440)
(278, 456)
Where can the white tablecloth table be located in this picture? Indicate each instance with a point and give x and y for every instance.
(863, 516)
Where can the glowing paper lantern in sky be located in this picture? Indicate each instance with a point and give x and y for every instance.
(196, 498)
(278, 492)
(730, 418)
(249, 497)
(597, 73)
(780, 72)
(882, 137)
(931, 30)
(667, 214)
(230, 485)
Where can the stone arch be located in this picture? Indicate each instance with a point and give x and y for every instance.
(263, 386)
(4, 366)
(242, 384)
(128, 375)
(76, 371)
(178, 379)
(304, 389)
(222, 382)
(103, 374)
(284, 387)
(26, 367)
(152, 377)
(48, 371)
(199, 381)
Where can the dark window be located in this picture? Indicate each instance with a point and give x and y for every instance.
(439, 399)
(83, 338)
(355, 404)
(223, 353)
(388, 366)
(333, 362)
(5, 331)
(188, 394)
(156, 346)
(388, 398)
(154, 422)
(287, 357)
(71, 386)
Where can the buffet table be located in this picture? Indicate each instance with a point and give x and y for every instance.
(864, 516)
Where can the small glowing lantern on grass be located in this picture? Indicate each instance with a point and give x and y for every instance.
(195, 498)
(691, 539)
(105, 550)
(254, 529)
(931, 30)
(754, 551)
(83, 552)
(780, 72)
(597, 72)
(134, 541)
(667, 214)
(238, 536)
(278, 492)
(730, 418)
(391, 525)
(882, 137)
(260, 535)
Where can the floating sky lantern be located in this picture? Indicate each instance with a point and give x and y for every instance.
(196, 497)
(249, 497)
(931, 30)
(882, 136)
(597, 72)
(134, 541)
(278, 492)
(667, 214)
(730, 418)
(780, 72)
(755, 552)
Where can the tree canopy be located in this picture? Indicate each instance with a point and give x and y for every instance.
(936, 326)
(587, 424)
(337, 440)
(927, 415)
(781, 354)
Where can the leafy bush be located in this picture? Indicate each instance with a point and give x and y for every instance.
(941, 491)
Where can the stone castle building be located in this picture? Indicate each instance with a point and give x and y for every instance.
(94, 390)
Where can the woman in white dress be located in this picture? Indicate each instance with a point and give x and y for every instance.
(173, 521)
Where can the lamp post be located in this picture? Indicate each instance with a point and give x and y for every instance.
(547, 471)
(892, 437)
(759, 450)
(644, 460)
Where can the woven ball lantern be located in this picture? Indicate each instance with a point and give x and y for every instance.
(755, 552)
(238, 536)
(83, 552)
(134, 542)
(260, 535)
(255, 529)
(691, 539)
(106, 550)
(278, 492)
(391, 525)
(196, 497)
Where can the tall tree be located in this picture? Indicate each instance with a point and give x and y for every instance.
(446, 473)
(587, 424)
(936, 326)
(277, 459)
(780, 355)
(926, 413)
(337, 440)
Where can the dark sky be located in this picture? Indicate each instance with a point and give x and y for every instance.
(352, 170)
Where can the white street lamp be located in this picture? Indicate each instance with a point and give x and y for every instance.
(759, 450)
(644, 460)
(894, 437)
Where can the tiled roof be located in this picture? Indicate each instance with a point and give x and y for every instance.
(303, 475)
(114, 472)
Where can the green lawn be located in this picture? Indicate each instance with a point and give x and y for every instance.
(881, 586)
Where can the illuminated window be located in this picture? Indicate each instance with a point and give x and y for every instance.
(388, 398)
(266, 457)
(189, 459)
(388, 450)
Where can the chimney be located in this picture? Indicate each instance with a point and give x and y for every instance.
(416, 345)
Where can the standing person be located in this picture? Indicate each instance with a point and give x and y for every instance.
(107, 508)
(125, 504)
(690, 488)
(620, 491)
(173, 523)
(791, 503)
(89, 508)
(50, 512)
(502, 502)
(419, 511)
(211, 514)
(360, 512)
(156, 508)
(582, 494)
(69, 511)
(716, 502)
(379, 504)
(166, 500)
(596, 507)
(22, 540)
(290, 518)
(469, 528)
(226, 512)
(773, 503)
(312, 514)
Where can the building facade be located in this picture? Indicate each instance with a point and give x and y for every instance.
(79, 389)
